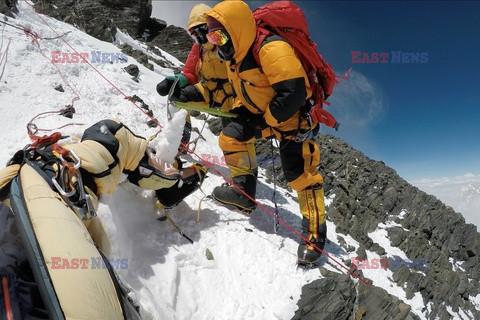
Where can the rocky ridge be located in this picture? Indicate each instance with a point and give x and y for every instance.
(367, 193)
(8, 7)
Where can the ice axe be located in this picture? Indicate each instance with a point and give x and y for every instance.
(212, 111)
(169, 101)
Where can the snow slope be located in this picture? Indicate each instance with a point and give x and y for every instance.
(253, 273)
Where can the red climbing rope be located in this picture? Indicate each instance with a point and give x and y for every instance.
(281, 221)
(5, 52)
(96, 70)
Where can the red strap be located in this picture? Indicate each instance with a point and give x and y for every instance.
(323, 116)
(345, 76)
(262, 34)
(45, 140)
(6, 298)
(63, 152)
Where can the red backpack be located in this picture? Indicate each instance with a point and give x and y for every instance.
(286, 19)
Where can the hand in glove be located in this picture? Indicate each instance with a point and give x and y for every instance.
(192, 178)
(163, 87)
(245, 117)
(257, 123)
(189, 93)
(152, 173)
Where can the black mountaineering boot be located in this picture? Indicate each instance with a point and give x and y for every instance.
(307, 254)
(191, 180)
(229, 195)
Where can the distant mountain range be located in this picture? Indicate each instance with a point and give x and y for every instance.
(462, 193)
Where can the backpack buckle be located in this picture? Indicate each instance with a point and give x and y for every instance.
(300, 137)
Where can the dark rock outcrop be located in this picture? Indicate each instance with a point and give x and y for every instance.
(132, 70)
(332, 297)
(175, 41)
(337, 297)
(365, 193)
(8, 7)
(101, 18)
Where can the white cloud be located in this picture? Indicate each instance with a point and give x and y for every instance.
(357, 102)
(455, 182)
(462, 193)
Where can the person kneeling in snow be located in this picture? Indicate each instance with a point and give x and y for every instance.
(48, 196)
(108, 140)
(108, 149)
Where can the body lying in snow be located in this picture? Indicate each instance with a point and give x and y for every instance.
(53, 190)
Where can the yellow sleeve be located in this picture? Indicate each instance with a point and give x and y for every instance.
(279, 62)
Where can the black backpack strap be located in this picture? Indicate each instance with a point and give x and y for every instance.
(18, 288)
(34, 252)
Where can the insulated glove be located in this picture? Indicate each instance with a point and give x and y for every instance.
(192, 178)
(163, 87)
(257, 122)
(243, 114)
(152, 173)
(189, 93)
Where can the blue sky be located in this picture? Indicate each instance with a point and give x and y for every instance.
(421, 119)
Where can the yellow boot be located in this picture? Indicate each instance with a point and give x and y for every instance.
(314, 227)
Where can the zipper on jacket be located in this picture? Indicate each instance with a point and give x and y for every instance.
(247, 98)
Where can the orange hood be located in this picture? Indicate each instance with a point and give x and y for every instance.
(238, 20)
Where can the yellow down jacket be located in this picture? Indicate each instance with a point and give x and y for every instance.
(205, 69)
(279, 86)
(108, 148)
